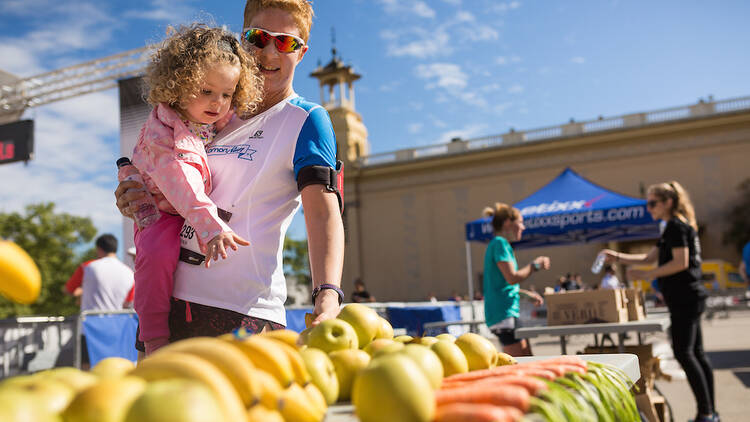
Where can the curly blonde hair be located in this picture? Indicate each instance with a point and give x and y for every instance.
(177, 68)
(682, 206)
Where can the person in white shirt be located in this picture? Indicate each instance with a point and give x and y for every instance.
(609, 281)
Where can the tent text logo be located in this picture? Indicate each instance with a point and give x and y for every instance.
(554, 206)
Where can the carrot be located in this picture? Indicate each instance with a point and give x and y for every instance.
(472, 412)
(538, 372)
(531, 384)
(482, 373)
(504, 395)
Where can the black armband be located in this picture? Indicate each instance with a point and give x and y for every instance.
(332, 179)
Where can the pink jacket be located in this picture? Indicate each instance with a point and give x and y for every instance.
(174, 166)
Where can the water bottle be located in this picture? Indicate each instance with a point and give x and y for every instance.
(146, 212)
(598, 263)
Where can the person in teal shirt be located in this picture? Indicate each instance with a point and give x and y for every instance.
(502, 277)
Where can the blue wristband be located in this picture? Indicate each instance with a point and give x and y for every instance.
(327, 286)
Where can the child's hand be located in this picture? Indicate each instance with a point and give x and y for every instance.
(218, 246)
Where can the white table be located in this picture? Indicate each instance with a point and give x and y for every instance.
(627, 362)
(620, 328)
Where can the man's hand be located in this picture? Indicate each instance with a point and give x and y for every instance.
(126, 193)
(217, 246)
(326, 306)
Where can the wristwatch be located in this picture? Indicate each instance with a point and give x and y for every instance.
(325, 286)
(535, 265)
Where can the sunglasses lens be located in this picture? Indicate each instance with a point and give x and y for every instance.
(286, 44)
(257, 37)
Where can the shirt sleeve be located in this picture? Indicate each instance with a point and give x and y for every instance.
(503, 252)
(675, 236)
(316, 143)
(76, 280)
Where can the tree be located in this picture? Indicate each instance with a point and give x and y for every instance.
(51, 240)
(738, 232)
(296, 260)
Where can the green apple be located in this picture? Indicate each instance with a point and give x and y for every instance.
(347, 364)
(428, 341)
(363, 319)
(106, 401)
(383, 345)
(112, 367)
(453, 359)
(72, 377)
(175, 400)
(322, 372)
(446, 336)
(21, 406)
(52, 395)
(428, 362)
(479, 352)
(393, 388)
(404, 339)
(332, 334)
(385, 330)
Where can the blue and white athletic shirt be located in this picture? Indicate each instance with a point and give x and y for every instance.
(254, 166)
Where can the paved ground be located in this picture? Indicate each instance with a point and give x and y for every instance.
(727, 341)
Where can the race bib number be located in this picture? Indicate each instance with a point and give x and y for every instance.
(190, 251)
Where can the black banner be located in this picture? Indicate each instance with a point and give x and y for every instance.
(16, 141)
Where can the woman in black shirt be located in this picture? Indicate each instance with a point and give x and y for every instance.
(678, 274)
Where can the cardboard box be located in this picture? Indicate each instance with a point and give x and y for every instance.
(590, 306)
(653, 406)
(636, 310)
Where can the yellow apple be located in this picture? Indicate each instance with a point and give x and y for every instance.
(112, 367)
(453, 359)
(505, 359)
(428, 362)
(20, 406)
(332, 334)
(348, 363)
(260, 413)
(385, 329)
(175, 400)
(106, 401)
(393, 388)
(383, 345)
(446, 336)
(322, 372)
(404, 338)
(364, 320)
(428, 341)
(72, 377)
(479, 352)
(51, 395)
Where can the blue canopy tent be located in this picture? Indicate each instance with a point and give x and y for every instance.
(569, 210)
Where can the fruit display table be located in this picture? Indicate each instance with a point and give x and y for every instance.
(628, 363)
(620, 328)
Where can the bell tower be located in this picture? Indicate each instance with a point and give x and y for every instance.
(337, 96)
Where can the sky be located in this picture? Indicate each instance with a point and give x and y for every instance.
(431, 70)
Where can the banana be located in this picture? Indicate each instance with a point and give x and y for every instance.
(316, 397)
(287, 336)
(226, 357)
(260, 413)
(185, 366)
(270, 389)
(295, 406)
(268, 355)
(301, 376)
(20, 275)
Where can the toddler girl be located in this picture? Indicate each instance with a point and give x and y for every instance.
(195, 79)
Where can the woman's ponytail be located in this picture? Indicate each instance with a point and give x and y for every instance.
(682, 206)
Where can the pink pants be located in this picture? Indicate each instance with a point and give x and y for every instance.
(157, 252)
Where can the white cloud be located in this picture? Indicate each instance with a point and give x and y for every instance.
(464, 16)
(467, 132)
(415, 128)
(506, 6)
(423, 43)
(515, 89)
(453, 2)
(578, 60)
(418, 8)
(500, 108)
(503, 60)
(18, 60)
(172, 11)
(443, 75)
